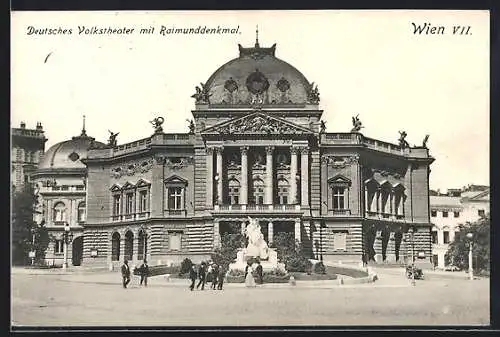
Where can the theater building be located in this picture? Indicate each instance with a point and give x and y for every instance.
(257, 147)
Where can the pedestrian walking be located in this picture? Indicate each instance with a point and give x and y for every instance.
(144, 271)
(215, 275)
(202, 274)
(192, 276)
(220, 277)
(125, 274)
(258, 270)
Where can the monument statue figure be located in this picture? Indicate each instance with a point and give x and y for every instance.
(257, 246)
(356, 124)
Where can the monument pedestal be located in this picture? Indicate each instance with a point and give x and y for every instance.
(267, 265)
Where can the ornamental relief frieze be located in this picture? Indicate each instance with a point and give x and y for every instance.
(178, 163)
(131, 168)
(339, 162)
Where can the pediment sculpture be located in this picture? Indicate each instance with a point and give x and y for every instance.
(258, 123)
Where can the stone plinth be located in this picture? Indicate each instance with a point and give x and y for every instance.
(267, 265)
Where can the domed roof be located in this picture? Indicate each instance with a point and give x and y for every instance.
(68, 154)
(256, 76)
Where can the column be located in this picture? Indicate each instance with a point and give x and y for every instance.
(379, 201)
(135, 247)
(244, 176)
(367, 201)
(304, 171)
(298, 235)
(217, 240)
(210, 176)
(49, 212)
(269, 232)
(219, 151)
(269, 175)
(293, 174)
(243, 227)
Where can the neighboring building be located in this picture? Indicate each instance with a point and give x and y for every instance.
(450, 211)
(27, 148)
(257, 148)
(60, 183)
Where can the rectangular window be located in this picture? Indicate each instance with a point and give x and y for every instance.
(260, 200)
(480, 212)
(284, 200)
(446, 237)
(174, 240)
(26, 156)
(116, 205)
(338, 198)
(58, 247)
(175, 198)
(129, 206)
(445, 214)
(433, 213)
(143, 201)
(434, 235)
(456, 214)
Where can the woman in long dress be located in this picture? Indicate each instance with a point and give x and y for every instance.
(249, 280)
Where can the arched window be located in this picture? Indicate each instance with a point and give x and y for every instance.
(233, 191)
(59, 212)
(115, 247)
(371, 195)
(258, 192)
(142, 245)
(386, 198)
(283, 190)
(399, 198)
(129, 245)
(81, 211)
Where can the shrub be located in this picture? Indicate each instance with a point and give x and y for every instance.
(298, 263)
(319, 268)
(185, 266)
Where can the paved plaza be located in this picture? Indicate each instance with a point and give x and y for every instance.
(97, 299)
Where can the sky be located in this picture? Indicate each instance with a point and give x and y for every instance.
(364, 62)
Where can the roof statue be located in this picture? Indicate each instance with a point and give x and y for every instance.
(313, 94)
(424, 142)
(112, 138)
(191, 126)
(202, 96)
(157, 122)
(356, 124)
(322, 127)
(402, 141)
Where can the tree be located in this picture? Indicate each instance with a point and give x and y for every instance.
(27, 235)
(230, 243)
(458, 251)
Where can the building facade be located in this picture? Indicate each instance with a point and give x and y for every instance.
(28, 146)
(449, 211)
(256, 147)
(60, 183)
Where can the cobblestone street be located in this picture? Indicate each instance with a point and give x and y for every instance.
(97, 299)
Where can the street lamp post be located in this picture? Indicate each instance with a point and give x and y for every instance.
(470, 236)
(67, 238)
(410, 231)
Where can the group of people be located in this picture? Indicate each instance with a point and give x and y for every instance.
(207, 272)
(143, 272)
(250, 281)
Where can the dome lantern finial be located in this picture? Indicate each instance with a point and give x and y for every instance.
(84, 132)
(257, 37)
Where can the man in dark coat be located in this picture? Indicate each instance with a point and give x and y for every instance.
(215, 275)
(220, 277)
(258, 270)
(202, 274)
(125, 274)
(144, 271)
(192, 276)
